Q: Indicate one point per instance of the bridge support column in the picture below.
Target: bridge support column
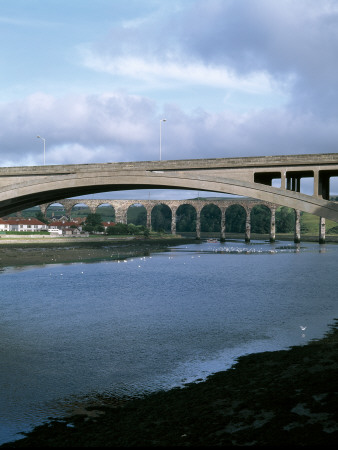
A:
(316, 183)
(121, 215)
(198, 224)
(43, 209)
(68, 211)
(248, 226)
(273, 225)
(297, 227)
(149, 218)
(223, 224)
(173, 220)
(282, 180)
(322, 229)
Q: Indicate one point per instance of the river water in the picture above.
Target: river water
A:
(70, 332)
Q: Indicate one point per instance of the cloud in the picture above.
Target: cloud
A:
(231, 49)
(121, 127)
(255, 46)
(162, 73)
(284, 39)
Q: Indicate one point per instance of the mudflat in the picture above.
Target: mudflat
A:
(276, 399)
(38, 251)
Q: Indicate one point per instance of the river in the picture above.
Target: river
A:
(71, 332)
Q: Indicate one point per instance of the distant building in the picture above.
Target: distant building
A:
(107, 224)
(67, 227)
(20, 224)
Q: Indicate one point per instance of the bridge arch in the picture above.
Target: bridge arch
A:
(142, 214)
(17, 194)
(80, 207)
(161, 217)
(212, 211)
(260, 221)
(186, 217)
(108, 214)
(235, 218)
(61, 209)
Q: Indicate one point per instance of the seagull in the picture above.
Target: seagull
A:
(302, 328)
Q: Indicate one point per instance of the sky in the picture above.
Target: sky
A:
(232, 78)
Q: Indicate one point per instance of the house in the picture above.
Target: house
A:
(20, 224)
(107, 224)
(4, 225)
(67, 227)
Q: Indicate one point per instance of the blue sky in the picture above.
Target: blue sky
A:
(231, 77)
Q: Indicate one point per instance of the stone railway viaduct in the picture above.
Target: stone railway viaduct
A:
(121, 209)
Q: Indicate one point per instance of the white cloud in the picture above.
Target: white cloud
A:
(163, 72)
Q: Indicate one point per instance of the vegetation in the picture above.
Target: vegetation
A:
(124, 229)
(41, 217)
(93, 223)
(27, 232)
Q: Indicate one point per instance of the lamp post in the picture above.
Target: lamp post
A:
(44, 149)
(162, 120)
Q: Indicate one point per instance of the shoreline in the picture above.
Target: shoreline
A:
(269, 398)
(72, 250)
(280, 398)
(24, 251)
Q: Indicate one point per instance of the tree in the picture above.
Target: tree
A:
(93, 223)
(161, 218)
(285, 220)
(260, 219)
(186, 218)
(93, 219)
(41, 217)
(211, 218)
(235, 219)
(123, 228)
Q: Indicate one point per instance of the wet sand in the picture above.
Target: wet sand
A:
(53, 251)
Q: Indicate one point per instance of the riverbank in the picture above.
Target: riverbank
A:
(25, 250)
(280, 399)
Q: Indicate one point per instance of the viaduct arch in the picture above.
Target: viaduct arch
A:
(121, 208)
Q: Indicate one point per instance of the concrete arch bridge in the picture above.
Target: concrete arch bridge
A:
(253, 177)
(121, 209)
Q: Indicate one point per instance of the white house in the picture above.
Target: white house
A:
(19, 224)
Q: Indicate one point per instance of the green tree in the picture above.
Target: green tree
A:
(93, 223)
(118, 229)
(235, 219)
(93, 219)
(260, 219)
(161, 218)
(186, 218)
(137, 215)
(41, 217)
(285, 220)
(211, 218)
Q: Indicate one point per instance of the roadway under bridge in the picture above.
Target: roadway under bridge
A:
(24, 187)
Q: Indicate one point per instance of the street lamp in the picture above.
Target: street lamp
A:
(44, 149)
(162, 120)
